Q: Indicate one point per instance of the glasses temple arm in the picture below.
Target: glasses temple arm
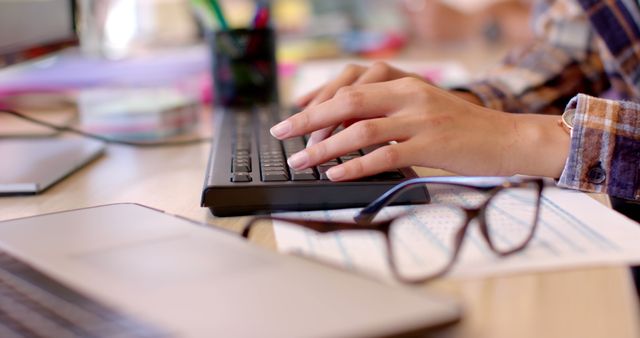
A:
(368, 213)
(319, 226)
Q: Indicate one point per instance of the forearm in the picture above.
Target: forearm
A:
(540, 146)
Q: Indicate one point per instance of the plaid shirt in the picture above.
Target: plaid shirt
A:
(590, 48)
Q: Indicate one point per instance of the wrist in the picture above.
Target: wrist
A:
(542, 146)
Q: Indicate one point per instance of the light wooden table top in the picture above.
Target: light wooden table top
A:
(595, 302)
(586, 302)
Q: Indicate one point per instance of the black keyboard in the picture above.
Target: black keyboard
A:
(248, 171)
(34, 305)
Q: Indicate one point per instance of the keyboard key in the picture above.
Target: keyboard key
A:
(304, 175)
(242, 160)
(33, 305)
(292, 146)
(272, 158)
(271, 153)
(244, 146)
(273, 163)
(322, 170)
(326, 166)
(369, 149)
(274, 169)
(241, 177)
(244, 168)
(241, 153)
(350, 156)
(275, 176)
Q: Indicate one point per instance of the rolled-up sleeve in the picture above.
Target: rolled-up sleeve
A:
(605, 147)
(545, 74)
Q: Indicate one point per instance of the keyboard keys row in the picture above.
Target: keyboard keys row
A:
(273, 164)
(273, 154)
(241, 149)
(241, 166)
(34, 305)
(292, 146)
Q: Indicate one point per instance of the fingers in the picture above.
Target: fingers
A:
(386, 158)
(361, 102)
(348, 76)
(319, 135)
(354, 75)
(377, 72)
(304, 100)
(351, 75)
(381, 71)
(359, 135)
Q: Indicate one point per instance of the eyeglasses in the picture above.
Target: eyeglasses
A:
(506, 210)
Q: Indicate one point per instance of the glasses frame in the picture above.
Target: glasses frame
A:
(364, 220)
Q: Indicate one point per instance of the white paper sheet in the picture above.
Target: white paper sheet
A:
(574, 231)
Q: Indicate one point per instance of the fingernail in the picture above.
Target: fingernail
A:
(281, 129)
(335, 173)
(298, 159)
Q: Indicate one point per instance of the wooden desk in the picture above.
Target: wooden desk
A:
(597, 302)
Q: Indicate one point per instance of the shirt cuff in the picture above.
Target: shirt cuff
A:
(605, 148)
(492, 96)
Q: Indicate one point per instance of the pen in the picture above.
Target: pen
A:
(261, 19)
(203, 13)
(217, 10)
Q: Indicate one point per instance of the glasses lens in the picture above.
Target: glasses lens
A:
(510, 216)
(423, 241)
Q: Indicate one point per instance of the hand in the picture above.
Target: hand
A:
(432, 128)
(351, 75)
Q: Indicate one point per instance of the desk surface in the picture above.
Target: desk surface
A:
(594, 302)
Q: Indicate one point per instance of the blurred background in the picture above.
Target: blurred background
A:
(142, 68)
(308, 29)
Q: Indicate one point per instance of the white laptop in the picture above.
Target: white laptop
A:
(29, 166)
(195, 281)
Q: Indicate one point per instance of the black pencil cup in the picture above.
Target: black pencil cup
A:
(244, 67)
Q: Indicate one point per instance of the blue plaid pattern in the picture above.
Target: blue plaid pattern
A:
(586, 56)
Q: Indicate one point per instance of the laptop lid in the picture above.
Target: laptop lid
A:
(196, 281)
(32, 28)
(30, 166)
